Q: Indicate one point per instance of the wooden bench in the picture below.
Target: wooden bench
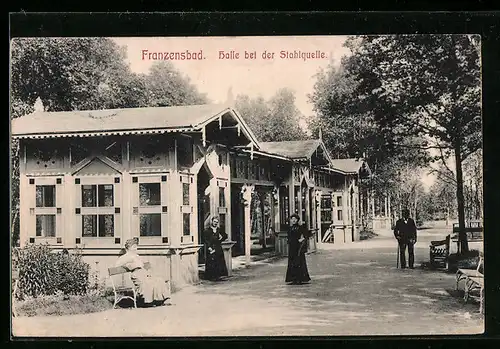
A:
(474, 281)
(120, 289)
(439, 252)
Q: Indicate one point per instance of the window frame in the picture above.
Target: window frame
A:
(138, 210)
(187, 178)
(56, 211)
(99, 210)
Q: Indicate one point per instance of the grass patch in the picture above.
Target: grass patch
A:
(51, 305)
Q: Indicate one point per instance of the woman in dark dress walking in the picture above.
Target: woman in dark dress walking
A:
(298, 235)
(215, 264)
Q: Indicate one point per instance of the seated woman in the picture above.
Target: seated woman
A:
(154, 291)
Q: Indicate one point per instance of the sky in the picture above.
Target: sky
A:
(254, 76)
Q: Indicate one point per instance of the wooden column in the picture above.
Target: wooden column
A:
(291, 193)
(318, 195)
(276, 208)
(247, 191)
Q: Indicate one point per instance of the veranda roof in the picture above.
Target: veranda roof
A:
(352, 165)
(292, 149)
(145, 120)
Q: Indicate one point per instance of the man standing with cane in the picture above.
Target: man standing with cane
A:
(405, 232)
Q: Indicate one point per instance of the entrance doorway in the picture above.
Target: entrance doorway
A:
(203, 191)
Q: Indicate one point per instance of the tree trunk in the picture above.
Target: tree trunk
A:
(462, 236)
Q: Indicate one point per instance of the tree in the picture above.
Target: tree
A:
(426, 86)
(277, 119)
(166, 86)
(350, 130)
(72, 73)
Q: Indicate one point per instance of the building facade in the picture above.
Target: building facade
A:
(90, 180)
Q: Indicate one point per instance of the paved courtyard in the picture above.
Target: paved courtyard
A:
(355, 290)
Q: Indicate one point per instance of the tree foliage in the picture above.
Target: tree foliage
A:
(427, 86)
(277, 119)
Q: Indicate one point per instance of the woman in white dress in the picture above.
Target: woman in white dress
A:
(153, 290)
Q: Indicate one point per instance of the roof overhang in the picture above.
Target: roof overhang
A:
(244, 127)
(330, 169)
(105, 133)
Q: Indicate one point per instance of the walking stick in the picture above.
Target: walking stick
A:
(397, 260)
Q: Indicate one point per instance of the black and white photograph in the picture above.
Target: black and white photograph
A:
(322, 185)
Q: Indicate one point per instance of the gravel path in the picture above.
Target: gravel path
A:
(355, 290)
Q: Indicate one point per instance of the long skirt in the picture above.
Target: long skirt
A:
(215, 264)
(296, 271)
(152, 289)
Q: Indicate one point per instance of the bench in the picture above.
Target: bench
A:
(439, 252)
(474, 281)
(121, 290)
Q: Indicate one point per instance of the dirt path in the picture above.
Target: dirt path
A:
(355, 290)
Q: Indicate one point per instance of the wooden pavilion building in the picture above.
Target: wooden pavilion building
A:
(90, 180)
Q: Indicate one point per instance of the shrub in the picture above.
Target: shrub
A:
(44, 272)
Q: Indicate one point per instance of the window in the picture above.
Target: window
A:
(150, 224)
(185, 194)
(222, 197)
(339, 201)
(97, 206)
(102, 225)
(339, 215)
(45, 196)
(46, 225)
(148, 214)
(222, 220)
(186, 224)
(149, 194)
(97, 195)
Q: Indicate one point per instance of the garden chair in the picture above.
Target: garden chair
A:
(439, 252)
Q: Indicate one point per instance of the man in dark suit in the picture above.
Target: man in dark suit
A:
(405, 232)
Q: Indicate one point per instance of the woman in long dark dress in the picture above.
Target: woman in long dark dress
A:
(298, 235)
(215, 264)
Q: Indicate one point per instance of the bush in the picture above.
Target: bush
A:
(44, 272)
